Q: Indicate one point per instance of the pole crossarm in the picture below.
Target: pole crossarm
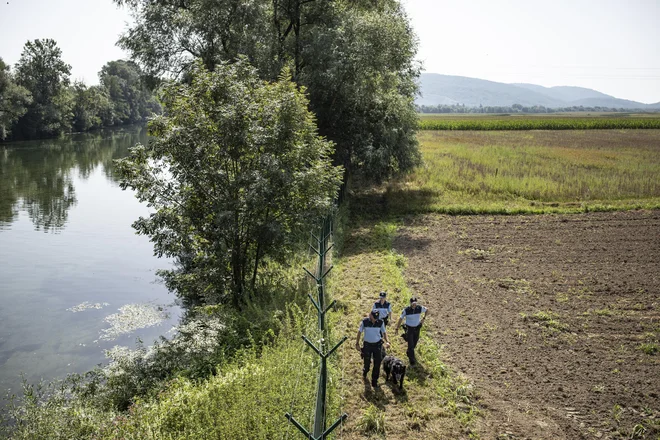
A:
(315, 251)
(332, 350)
(333, 426)
(325, 433)
(329, 307)
(327, 272)
(311, 275)
(318, 350)
(311, 344)
(311, 298)
(299, 426)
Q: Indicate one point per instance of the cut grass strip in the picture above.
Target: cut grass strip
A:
(435, 403)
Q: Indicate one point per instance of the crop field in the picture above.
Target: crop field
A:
(554, 121)
(514, 172)
(555, 319)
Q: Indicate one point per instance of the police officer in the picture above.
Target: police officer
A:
(414, 321)
(374, 334)
(383, 308)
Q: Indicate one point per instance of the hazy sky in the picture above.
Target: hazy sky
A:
(609, 45)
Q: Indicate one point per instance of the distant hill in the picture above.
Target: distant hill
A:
(472, 92)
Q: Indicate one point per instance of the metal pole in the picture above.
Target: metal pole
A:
(319, 432)
(319, 416)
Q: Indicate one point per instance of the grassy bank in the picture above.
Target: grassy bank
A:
(539, 122)
(435, 403)
(201, 385)
(245, 398)
(515, 172)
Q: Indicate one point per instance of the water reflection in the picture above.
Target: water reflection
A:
(36, 177)
(65, 297)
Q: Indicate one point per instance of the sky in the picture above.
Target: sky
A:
(612, 46)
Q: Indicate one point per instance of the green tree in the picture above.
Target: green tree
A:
(131, 100)
(92, 107)
(43, 73)
(355, 58)
(235, 171)
(14, 100)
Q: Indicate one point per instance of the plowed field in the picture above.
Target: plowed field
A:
(555, 319)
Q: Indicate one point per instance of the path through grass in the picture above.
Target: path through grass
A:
(436, 403)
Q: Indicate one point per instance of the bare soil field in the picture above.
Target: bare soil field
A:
(555, 318)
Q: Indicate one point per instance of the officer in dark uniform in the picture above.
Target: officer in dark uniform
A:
(414, 321)
(383, 308)
(374, 333)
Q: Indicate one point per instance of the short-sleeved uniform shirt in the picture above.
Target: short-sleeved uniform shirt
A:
(413, 315)
(383, 309)
(372, 331)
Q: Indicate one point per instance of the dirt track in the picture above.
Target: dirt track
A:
(546, 315)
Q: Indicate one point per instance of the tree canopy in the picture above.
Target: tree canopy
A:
(45, 75)
(354, 57)
(14, 100)
(38, 101)
(235, 172)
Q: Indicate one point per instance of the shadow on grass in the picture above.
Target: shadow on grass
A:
(375, 396)
(373, 218)
(407, 242)
(418, 374)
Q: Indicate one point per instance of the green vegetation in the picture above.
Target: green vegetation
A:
(372, 421)
(436, 402)
(245, 398)
(540, 122)
(37, 100)
(531, 172)
(257, 179)
(650, 348)
(361, 92)
(548, 319)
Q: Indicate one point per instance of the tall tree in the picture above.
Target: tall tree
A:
(43, 73)
(355, 58)
(14, 100)
(124, 83)
(235, 171)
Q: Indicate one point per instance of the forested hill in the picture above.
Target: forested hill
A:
(439, 89)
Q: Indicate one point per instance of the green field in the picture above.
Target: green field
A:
(507, 172)
(553, 121)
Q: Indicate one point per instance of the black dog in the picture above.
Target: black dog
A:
(396, 368)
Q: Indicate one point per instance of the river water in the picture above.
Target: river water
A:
(75, 279)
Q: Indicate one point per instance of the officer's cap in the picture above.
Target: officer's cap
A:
(383, 294)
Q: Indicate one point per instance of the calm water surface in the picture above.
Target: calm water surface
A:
(69, 259)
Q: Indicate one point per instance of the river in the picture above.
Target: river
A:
(75, 279)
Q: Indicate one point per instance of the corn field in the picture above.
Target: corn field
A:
(507, 122)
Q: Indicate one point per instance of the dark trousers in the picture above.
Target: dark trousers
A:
(375, 350)
(412, 337)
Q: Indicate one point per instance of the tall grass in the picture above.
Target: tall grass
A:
(515, 172)
(507, 122)
(245, 398)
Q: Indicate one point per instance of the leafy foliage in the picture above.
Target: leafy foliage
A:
(123, 81)
(355, 59)
(43, 73)
(14, 100)
(235, 171)
(37, 101)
